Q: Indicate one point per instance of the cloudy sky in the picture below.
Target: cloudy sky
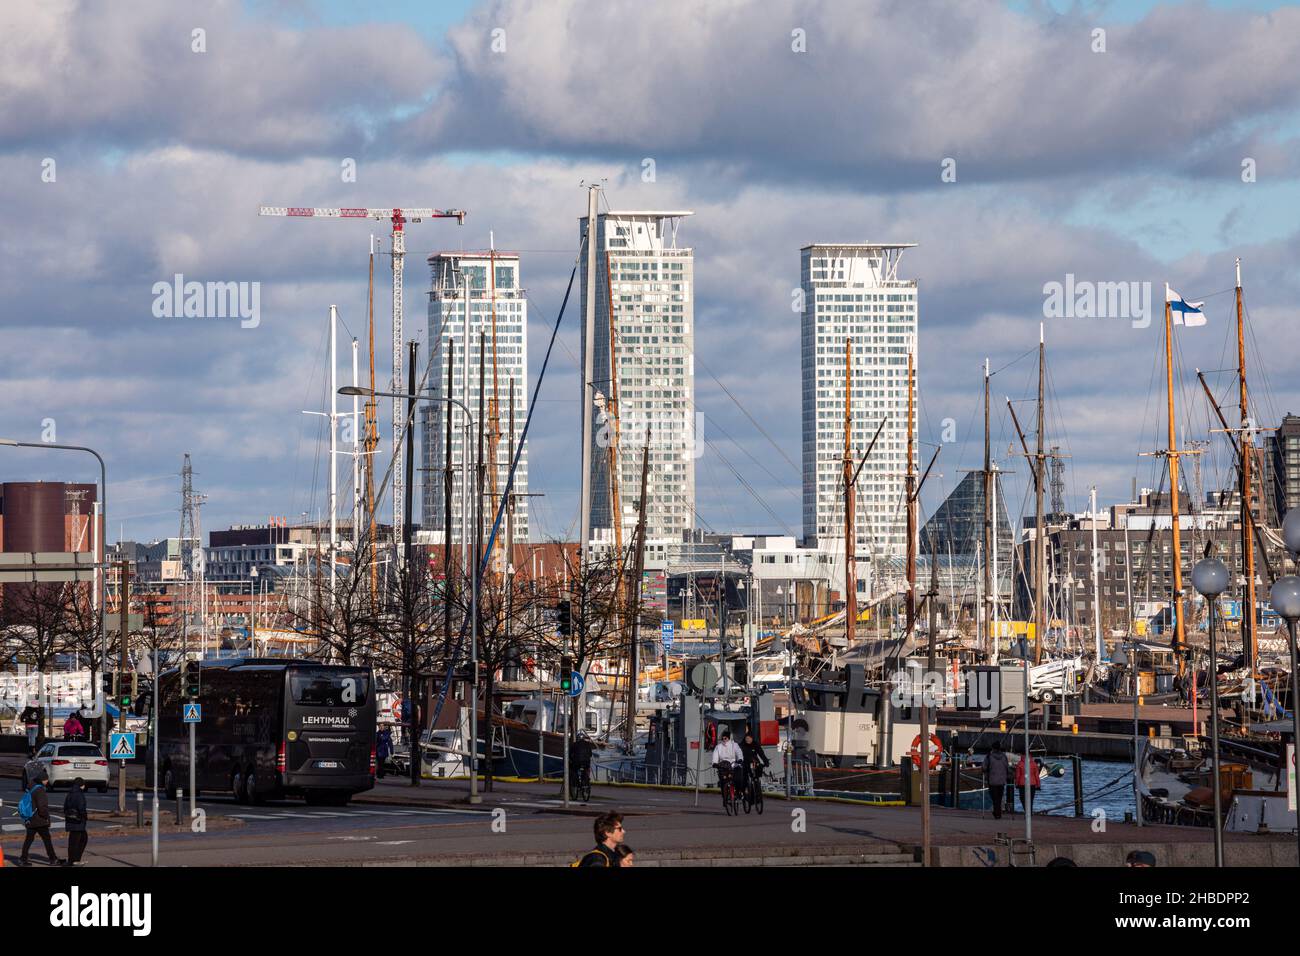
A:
(1115, 142)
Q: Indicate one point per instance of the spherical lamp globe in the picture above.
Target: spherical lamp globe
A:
(1210, 577)
(1285, 596)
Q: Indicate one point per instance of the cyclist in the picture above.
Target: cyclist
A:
(580, 757)
(754, 760)
(727, 752)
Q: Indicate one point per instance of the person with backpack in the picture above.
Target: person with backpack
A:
(34, 808)
(74, 813)
(608, 828)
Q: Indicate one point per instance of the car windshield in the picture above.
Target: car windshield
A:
(79, 750)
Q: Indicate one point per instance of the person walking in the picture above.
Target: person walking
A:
(626, 855)
(608, 828)
(31, 718)
(1035, 780)
(72, 728)
(38, 820)
(383, 749)
(74, 814)
(996, 773)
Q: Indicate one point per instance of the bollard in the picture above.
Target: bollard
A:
(1077, 763)
(139, 808)
(180, 800)
(1151, 732)
(1074, 729)
(1002, 726)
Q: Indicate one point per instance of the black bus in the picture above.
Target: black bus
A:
(270, 728)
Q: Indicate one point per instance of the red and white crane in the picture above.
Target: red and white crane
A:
(398, 218)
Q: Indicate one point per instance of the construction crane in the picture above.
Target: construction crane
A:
(398, 217)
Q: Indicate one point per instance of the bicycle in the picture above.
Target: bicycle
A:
(752, 797)
(728, 787)
(580, 786)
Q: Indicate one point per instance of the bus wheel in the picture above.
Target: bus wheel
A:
(237, 787)
(250, 787)
(169, 783)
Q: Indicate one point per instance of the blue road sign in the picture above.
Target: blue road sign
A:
(121, 746)
(575, 687)
(666, 633)
(192, 713)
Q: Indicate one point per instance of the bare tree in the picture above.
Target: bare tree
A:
(36, 625)
(343, 617)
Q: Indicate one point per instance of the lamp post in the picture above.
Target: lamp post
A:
(474, 580)
(1285, 598)
(1210, 578)
(252, 610)
(103, 545)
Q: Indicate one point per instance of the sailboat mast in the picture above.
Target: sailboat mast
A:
(850, 571)
(1040, 543)
(1247, 515)
(987, 637)
(1173, 490)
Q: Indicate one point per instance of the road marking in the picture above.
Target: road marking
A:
(252, 816)
(352, 838)
(393, 842)
(18, 827)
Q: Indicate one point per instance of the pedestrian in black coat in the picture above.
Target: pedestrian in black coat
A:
(74, 813)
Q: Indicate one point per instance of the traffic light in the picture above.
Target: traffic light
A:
(566, 673)
(110, 685)
(190, 679)
(564, 618)
(126, 692)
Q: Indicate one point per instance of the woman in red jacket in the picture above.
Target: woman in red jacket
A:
(1035, 781)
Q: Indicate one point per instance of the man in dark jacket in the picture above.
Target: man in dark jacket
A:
(996, 773)
(39, 824)
(608, 828)
(753, 759)
(383, 749)
(74, 812)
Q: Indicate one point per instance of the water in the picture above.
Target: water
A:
(1100, 789)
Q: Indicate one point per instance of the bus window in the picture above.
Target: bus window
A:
(321, 688)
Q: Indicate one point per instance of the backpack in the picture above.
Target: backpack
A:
(604, 859)
(27, 806)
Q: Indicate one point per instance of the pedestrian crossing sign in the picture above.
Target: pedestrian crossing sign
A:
(192, 713)
(121, 746)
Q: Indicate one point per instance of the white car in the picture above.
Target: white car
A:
(64, 761)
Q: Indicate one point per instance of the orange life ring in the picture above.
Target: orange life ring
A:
(936, 751)
(710, 736)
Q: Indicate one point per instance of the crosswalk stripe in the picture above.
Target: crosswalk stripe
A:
(253, 816)
(15, 827)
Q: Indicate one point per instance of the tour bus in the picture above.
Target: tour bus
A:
(271, 727)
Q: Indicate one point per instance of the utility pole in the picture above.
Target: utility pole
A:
(587, 401)
(636, 597)
(412, 682)
(124, 598)
(911, 499)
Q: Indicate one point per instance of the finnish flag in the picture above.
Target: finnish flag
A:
(1183, 312)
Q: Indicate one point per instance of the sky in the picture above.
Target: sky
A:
(1017, 144)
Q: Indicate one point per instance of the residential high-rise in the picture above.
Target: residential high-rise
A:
(497, 310)
(852, 291)
(654, 337)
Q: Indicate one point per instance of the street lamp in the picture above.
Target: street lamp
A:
(1210, 578)
(474, 580)
(252, 610)
(103, 547)
(1285, 598)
